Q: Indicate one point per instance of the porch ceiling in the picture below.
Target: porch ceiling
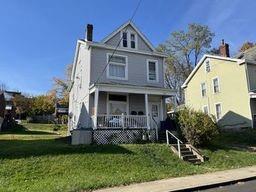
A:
(122, 88)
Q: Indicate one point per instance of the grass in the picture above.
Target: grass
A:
(36, 158)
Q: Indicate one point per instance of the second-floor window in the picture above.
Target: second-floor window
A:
(152, 70)
(203, 89)
(216, 86)
(117, 67)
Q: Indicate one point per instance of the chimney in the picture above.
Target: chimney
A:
(89, 32)
(224, 49)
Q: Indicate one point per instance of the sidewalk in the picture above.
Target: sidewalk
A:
(188, 182)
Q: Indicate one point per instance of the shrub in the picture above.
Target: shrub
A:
(197, 127)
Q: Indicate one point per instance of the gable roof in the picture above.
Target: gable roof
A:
(136, 30)
(240, 61)
(249, 54)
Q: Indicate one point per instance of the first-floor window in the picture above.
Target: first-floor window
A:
(205, 109)
(218, 111)
(152, 71)
(117, 104)
(117, 68)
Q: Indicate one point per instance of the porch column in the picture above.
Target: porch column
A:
(162, 108)
(147, 112)
(96, 100)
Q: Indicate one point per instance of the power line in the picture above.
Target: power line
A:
(130, 20)
(120, 40)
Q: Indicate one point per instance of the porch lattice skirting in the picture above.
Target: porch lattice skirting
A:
(119, 136)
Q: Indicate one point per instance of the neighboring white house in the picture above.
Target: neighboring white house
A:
(127, 94)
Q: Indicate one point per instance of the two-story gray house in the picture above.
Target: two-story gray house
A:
(118, 86)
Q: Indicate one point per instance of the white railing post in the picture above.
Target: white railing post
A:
(96, 101)
(122, 119)
(167, 137)
(179, 148)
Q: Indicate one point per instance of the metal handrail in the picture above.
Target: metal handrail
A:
(178, 141)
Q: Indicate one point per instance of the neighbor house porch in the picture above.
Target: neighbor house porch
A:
(127, 107)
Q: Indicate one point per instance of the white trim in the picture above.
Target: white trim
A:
(127, 101)
(157, 71)
(122, 88)
(215, 104)
(136, 30)
(218, 80)
(147, 111)
(154, 53)
(96, 102)
(121, 64)
(202, 61)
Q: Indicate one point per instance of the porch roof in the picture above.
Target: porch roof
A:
(125, 88)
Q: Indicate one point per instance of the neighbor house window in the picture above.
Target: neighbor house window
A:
(133, 41)
(207, 66)
(218, 111)
(125, 41)
(203, 89)
(117, 68)
(205, 109)
(216, 86)
(152, 70)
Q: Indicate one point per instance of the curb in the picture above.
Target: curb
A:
(210, 186)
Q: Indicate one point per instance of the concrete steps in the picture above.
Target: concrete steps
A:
(187, 153)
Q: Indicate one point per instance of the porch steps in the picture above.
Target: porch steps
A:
(187, 153)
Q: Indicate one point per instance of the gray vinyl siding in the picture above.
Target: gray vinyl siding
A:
(102, 105)
(136, 103)
(137, 68)
(142, 46)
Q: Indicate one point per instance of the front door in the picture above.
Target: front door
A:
(154, 114)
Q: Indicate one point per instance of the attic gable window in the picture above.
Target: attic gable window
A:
(129, 39)
(133, 41)
(125, 42)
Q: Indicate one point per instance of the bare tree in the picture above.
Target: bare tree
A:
(184, 49)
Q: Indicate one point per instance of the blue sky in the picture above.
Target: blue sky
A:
(37, 38)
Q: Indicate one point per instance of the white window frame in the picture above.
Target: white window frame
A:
(207, 109)
(157, 72)
(129, 32)
(201, 88)
(120, 64)
(218, 80)
(207, 61)
(123, 94)
(216, 111)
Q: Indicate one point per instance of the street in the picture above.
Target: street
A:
(248, 186)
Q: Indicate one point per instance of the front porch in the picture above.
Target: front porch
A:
(127, 112)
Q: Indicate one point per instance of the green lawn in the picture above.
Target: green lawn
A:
(39, 159)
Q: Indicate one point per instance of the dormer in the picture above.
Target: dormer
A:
(128, 36)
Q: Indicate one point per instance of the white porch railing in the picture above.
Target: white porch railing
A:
(121, 121)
